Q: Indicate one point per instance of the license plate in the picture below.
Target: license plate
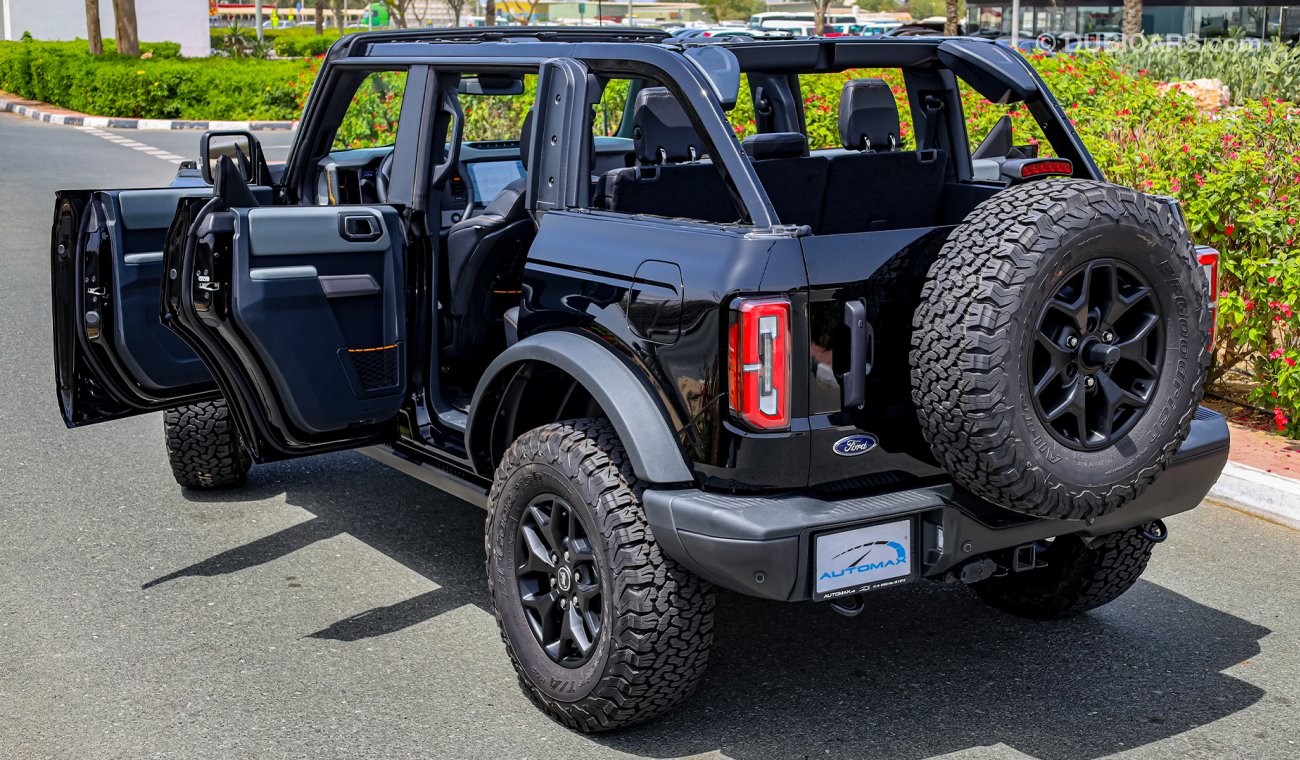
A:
(859, 559)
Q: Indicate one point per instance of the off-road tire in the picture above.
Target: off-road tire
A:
(1077, 577)
(657, 617)
(203, 446)
(975, 327)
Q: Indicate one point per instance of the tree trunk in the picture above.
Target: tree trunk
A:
(127, 32)
(490, 13)
(93, 31)
(341, 15)
(819, 17)
(320, 17)
(1132, 19)
(950, 25)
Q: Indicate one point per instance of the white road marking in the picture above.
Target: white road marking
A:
(127, 142)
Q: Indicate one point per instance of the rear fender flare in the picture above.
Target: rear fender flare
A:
(636, 415)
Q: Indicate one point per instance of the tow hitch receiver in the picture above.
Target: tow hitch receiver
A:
(1023, 558)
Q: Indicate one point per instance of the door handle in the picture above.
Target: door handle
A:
(360, 228)
(854, 382)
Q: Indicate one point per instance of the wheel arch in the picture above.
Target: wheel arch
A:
(584, 378)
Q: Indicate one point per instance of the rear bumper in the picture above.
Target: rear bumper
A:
(761, 545)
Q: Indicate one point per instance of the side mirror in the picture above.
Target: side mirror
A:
(242, 148)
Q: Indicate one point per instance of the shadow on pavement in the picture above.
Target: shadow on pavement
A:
(926, 670)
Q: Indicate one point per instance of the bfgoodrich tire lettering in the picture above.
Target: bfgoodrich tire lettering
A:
(975, 333)
(203, 446)
(656, 619)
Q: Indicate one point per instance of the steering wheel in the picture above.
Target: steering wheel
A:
(382, 176)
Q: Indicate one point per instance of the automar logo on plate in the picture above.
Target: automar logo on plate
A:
(853, 445)
(864, 559)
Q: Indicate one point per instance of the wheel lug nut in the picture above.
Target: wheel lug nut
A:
(564, 603)
(1072, 341)
(1108, 336)
(555, 558)
(1089, 381)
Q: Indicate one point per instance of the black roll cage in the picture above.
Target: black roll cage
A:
(600, 54)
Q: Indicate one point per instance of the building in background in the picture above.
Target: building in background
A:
(183, 21)
(1165, 17)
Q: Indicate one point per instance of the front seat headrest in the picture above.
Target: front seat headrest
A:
(526, 139)
(775, 145)
(868, 116)
(661, 130)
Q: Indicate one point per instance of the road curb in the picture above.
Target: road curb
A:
(1259, 493)
(22, 108)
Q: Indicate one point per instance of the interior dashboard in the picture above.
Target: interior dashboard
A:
(485, 168)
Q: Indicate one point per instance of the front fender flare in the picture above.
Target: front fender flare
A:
(637, 417)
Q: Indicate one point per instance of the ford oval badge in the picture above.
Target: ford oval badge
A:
(853, 445)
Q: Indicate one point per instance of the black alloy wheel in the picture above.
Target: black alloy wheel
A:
(1097, 355)
(559, 580)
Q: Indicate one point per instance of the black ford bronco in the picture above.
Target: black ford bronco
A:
(663, 358)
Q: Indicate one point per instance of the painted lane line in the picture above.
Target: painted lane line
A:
(126, 142)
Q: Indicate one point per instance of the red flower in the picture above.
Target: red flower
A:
(1289, 361)
(1272, 280)
(1229, 230)
(1279, 417)
(1277, 354)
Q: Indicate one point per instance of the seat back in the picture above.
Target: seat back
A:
(669, 179)
(793, 179)
(485, 254)
(873, 185)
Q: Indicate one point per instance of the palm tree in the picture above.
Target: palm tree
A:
(1132, 19)
(93, 31)
(950, 24)
(320, 17)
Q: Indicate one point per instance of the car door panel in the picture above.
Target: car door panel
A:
(113, 356)
(305, 323)
(137, 222)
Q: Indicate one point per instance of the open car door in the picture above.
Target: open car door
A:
(113, 356)
(300, 313)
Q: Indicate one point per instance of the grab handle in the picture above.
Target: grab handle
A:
(854, 382)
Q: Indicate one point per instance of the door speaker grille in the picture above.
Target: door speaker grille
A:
(376, 367)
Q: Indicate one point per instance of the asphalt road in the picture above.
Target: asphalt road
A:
(335, 608)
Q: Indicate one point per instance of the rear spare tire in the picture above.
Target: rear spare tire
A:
(1059, 350)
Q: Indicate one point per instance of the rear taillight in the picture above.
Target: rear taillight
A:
(1208, 258)
(759, 361)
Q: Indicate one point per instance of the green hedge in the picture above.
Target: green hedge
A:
(159, 87)
(294, 42)
(303, 46)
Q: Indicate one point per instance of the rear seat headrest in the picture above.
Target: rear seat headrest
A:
(868, 116)
(661, 130)
(775, 145)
